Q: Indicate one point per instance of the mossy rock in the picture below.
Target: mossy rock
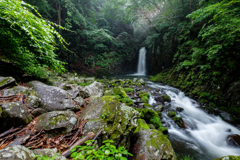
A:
(129, 90)
(177, 120)
(144, 94)
(120, 91)
(172, 113)
(151, 126)
(147, 105)
(144, 99)
(229, 158)
(151, 116)
(153, 144)
(142, 125)
(166, 98)
(164, 130)
(128, 101)
(109, 92)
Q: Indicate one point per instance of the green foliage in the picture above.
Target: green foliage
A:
(27, 40)
(45, 157)
(105, 152)
(85, 84)
(129, 90)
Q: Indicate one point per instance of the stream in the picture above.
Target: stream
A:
(205, 138)
(206, 135)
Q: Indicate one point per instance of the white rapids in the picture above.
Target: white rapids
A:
(206, 135)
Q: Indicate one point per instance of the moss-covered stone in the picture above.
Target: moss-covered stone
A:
(229, 158)
(177, 120)
(144, 94)
(153, 144)
(151, 126)
(166, 98)
(147, 105)
(172, 113)
(120, 91)
(144, 99)
(129, 90)
(142, 125)
(128, 101)
(151, 116)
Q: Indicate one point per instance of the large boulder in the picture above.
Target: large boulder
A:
(57, 122)
(15, 90)
(153, 144)
(52, 98)
(19, 152)
(5, 81)
(95, 89)
(16, 153)
(117, 120)
(13, 114)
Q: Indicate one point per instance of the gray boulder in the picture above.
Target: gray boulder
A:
(38, 111)
(153, 144)
(95, 89)
(141, 81)
(13, 114)
(50, 153)
(15, 90)
(73, 93)
(16, 153)
(52, 98)
(57, 122)
(90, 79)
(80, 101)
(4, 81)
(33, 99)
(19, 152)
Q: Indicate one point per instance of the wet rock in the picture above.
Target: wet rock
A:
(159, 108)
(226, 117)
(52, 98)
(177, 120)
(141, 81)
(159, 99)
(234, 139)
(50, 153)
(57, 122)
(167, 104)
(13, 114)
(171, 113)
(135, 80)
(119, 120)
(95, 89)
(6, 81)
(73, 93)
(229, 158)
(15, 90)
(153, 144)
(166, 98)
(150, 116)
(179, 109)
(17, 152)
(120, 91)
(80, 101)
(38, 111)
(164, 130)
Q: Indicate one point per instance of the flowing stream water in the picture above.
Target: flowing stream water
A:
(206, 135)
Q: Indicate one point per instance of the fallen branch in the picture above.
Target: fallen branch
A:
(89, 136)
(10, 131)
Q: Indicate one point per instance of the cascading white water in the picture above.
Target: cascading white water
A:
(142, 62)
(206, 135)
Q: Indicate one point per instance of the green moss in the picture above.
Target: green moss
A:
(142, 125)
(151, 126)
(147, 105)
(156, 121)
(159, 113)
(4, 81)
(164, 130)
(128, 101)
(166, 98)
(1, 111)
(120, 91)
(119, 97)
(177, 120)
(56, 119)
(171, 113)
(229, 158)
(144, 94)
(144, 99)
(129, 90)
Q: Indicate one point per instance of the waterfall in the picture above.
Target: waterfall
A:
(142, 62)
